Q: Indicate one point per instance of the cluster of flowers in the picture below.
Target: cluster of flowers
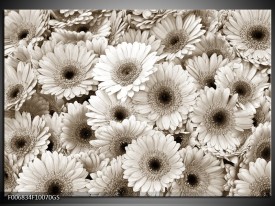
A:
(138, 102)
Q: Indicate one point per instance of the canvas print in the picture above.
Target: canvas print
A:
(137, 102)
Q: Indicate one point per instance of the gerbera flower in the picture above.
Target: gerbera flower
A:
(245, 80)
(11, 170)
(146, 19)
(254, 181)
(214, 43)
(152, 162)
(92, 161)
(62, 18)
(259, 144)
(125, 68)
(204, 68)
(167, 98)
(76, 133)
(114, 138)
(66, 72)
(98, 45)
(118, 25)
(263, 113)
(36, 106)
(219, 121)
(145, 37)
(104, 108)
(54, 123)
(203, 175)
(54, 174)
(23, 28)
(19, 84)
(178, 35)
(110, 182)
(25, 137)
(249, 31)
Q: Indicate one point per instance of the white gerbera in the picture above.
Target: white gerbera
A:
(168, 97)
(92, 161)
(110, 182)
(54, 174)
(259, 144)
(245, 80)
(204, 68)
(19, 85)
(214, 43)
(66, 72)
(114, 138)
(219, 121)
(104, 108)
(125, 69)
(254, 181)
(249, 31)
(178, 35)
(76, 133)
(152, 162)
(23, 28)
(203, 175)
(25, 137)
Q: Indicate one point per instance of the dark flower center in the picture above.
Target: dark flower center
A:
(85, 133)
(243, 89)
(15, 91)
(20, 143)
(6, 175)
(69, 73)
(23, 34)
(174, 40)
(192, 180)
(122, 191)
(120, 114)
(265, 193)
(219, 118)
(258, 34)
(154, 164)
(165, 96)
(263, 151)
(55, 188)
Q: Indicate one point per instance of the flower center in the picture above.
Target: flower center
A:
(127, 72)
(84, 133)
(122, 191)
(192, 180)
(256, 36)
(154, 164)
(71, 74)
(261, 187)
(118, 187)
(20, 143)
(243, 89)
(164, 97)
(218, 120)
(23, 34)
(14, 92)
(119, 113)
(263, 151)
(55, 187)
(259, 117)
(175, 41)
(266, 193)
